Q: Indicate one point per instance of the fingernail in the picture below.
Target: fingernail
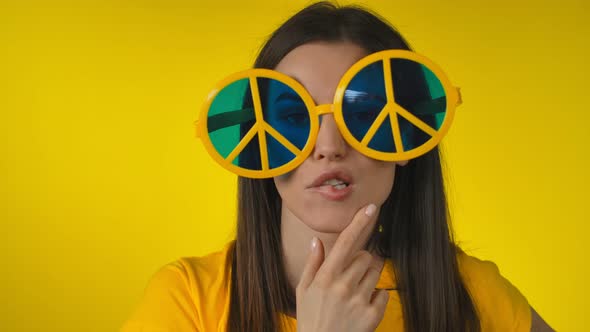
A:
(370, 210)
(314, 244)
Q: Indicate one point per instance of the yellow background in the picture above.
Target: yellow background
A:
(102, 180)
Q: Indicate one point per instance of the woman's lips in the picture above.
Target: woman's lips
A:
(339, 174)
(330, 193)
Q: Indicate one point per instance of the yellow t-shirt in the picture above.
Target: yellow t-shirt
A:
(192, 294)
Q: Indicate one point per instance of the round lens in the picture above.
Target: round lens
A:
(417, 110)
(244, 110)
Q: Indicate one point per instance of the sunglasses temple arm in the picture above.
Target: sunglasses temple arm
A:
(459, 100)
(435, 106)
(228, 119)
(430, 107)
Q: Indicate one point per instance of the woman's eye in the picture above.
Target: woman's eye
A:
(365, 112)
(296, 118)
(292, 113)
(366, 116)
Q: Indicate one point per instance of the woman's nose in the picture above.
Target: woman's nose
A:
(330, 144)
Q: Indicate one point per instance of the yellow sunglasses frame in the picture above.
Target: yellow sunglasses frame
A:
(453, 99)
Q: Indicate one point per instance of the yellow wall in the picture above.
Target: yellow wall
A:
(102, 180)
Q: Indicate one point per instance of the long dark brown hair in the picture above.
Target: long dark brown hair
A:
(417, 234)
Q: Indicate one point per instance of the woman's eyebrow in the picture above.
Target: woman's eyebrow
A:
(353, 95)
(287, 95)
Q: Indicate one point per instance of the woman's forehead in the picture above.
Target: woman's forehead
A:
(318, 66)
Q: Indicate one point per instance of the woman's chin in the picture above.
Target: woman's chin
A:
(328, 222)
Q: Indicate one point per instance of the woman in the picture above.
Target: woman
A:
(381, 255)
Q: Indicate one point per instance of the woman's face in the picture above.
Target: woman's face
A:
(329, 207)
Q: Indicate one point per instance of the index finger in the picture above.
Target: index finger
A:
(351, 239)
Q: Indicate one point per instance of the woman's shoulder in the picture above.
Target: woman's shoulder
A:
(500, 305)
(209, 268)
(188, 294)
(198, 275)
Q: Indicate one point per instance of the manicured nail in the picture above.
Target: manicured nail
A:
(314, 244)
(370, 210)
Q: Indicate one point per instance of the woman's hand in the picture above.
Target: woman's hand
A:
(338, 293)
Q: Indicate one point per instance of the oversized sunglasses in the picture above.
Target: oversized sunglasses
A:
(391, 105)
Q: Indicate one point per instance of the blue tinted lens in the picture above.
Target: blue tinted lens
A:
(415, 88)
(420, 92)
(363, 100)
(231, 116)
(285, 111)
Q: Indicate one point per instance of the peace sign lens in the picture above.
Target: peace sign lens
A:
(259, 124)
(391, 105)
(393, 113)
